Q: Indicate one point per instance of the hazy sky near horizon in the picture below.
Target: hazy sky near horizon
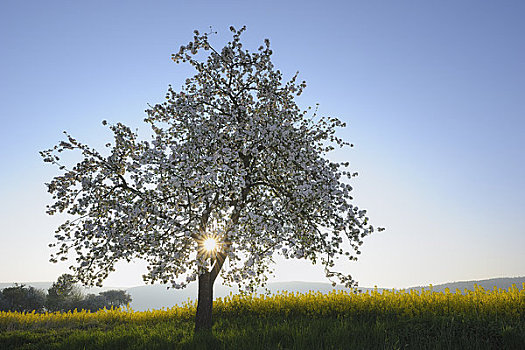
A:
(433, 94)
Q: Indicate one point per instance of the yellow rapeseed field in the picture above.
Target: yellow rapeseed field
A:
(479, 304)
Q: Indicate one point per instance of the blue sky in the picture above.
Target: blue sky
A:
(432, 93)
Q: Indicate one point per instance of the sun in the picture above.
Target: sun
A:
(210, 244)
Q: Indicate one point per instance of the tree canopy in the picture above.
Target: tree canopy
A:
(233, 159)
(64, 294)
(22, 298)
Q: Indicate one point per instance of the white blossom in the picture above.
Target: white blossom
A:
(233, 156)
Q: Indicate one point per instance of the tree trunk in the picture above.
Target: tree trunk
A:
(203, 319)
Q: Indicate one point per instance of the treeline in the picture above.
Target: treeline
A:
(64, 295)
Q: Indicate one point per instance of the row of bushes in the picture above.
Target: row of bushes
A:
(64, 295)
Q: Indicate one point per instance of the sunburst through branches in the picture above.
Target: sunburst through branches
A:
(210, 246)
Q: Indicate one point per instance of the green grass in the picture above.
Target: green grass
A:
(279, 332)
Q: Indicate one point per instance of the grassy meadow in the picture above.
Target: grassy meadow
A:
(480, 319)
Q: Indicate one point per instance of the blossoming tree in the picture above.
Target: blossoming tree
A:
(235, 174)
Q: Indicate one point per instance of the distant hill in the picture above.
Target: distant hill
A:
(503, 283)
(158, 296)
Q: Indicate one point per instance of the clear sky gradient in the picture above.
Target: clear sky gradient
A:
(432, 91)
